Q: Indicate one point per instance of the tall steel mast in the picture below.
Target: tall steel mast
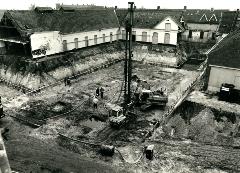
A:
(128, 57)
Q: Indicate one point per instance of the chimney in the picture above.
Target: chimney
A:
(212, 9)
(185, 7)
(115, 7)
(58, 6)
(158, 7)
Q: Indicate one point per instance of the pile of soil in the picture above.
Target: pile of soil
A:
(204, 126)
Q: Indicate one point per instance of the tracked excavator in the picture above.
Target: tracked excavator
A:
(147, 98)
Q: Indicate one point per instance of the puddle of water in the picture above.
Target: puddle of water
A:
(93, 124)
(58, 108)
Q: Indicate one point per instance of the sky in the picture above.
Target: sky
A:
(207, 4)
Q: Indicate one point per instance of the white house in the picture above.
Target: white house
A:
(155, 26)
(201, 24)
(43, 31)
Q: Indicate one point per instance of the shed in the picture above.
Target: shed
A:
(224, 63)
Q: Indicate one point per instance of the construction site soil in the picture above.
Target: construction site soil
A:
(71, 131)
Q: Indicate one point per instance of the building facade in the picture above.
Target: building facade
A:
(153, 26)
(224, 63)
(165, 32)
(222, 74)
(41, 33)
(53, 42)
(201, 25)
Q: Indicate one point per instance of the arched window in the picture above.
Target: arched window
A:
(155, 38)
(64, 45)
(111, 37)
(76, 43)
(86, 41)
(167, 38)
(95, 39)
(144, 36)
(118, 34)
(123, 34)
(103, 38)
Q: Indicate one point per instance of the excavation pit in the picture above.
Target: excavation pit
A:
(93, 123)
(59, 107)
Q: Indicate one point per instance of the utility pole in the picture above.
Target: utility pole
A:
(128, 57)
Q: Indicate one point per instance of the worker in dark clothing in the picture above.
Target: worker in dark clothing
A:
(97, 91)
(101, 92)
(68, 81)
(1, 111)
(1, 108)
(65, 81)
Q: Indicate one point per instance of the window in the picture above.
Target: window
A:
(111, 37)
(167, 38)
(86, 41)
(133, 35)
(76, 43)
(123, 34)
(95, 39)
(155, 38)
(167, 26)
(144, 36)
(190, 34)
(213, 36)
(103, 38)
(201, 34)
(118, 33)
(64, 45)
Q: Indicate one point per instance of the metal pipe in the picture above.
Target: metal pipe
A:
(125, 72)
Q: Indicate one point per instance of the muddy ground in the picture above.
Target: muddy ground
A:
(41, 149)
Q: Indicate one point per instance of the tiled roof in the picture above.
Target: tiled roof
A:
(148, 18)
(43, 8)
(227, 53)
(203, 16)
(65, 22)
(79, 7)
(228, 21)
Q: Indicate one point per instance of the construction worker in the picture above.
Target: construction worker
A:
(101, 92)
(68, 81)
(95, 102)
(65, 81)
(1, 108)
(97, 91)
